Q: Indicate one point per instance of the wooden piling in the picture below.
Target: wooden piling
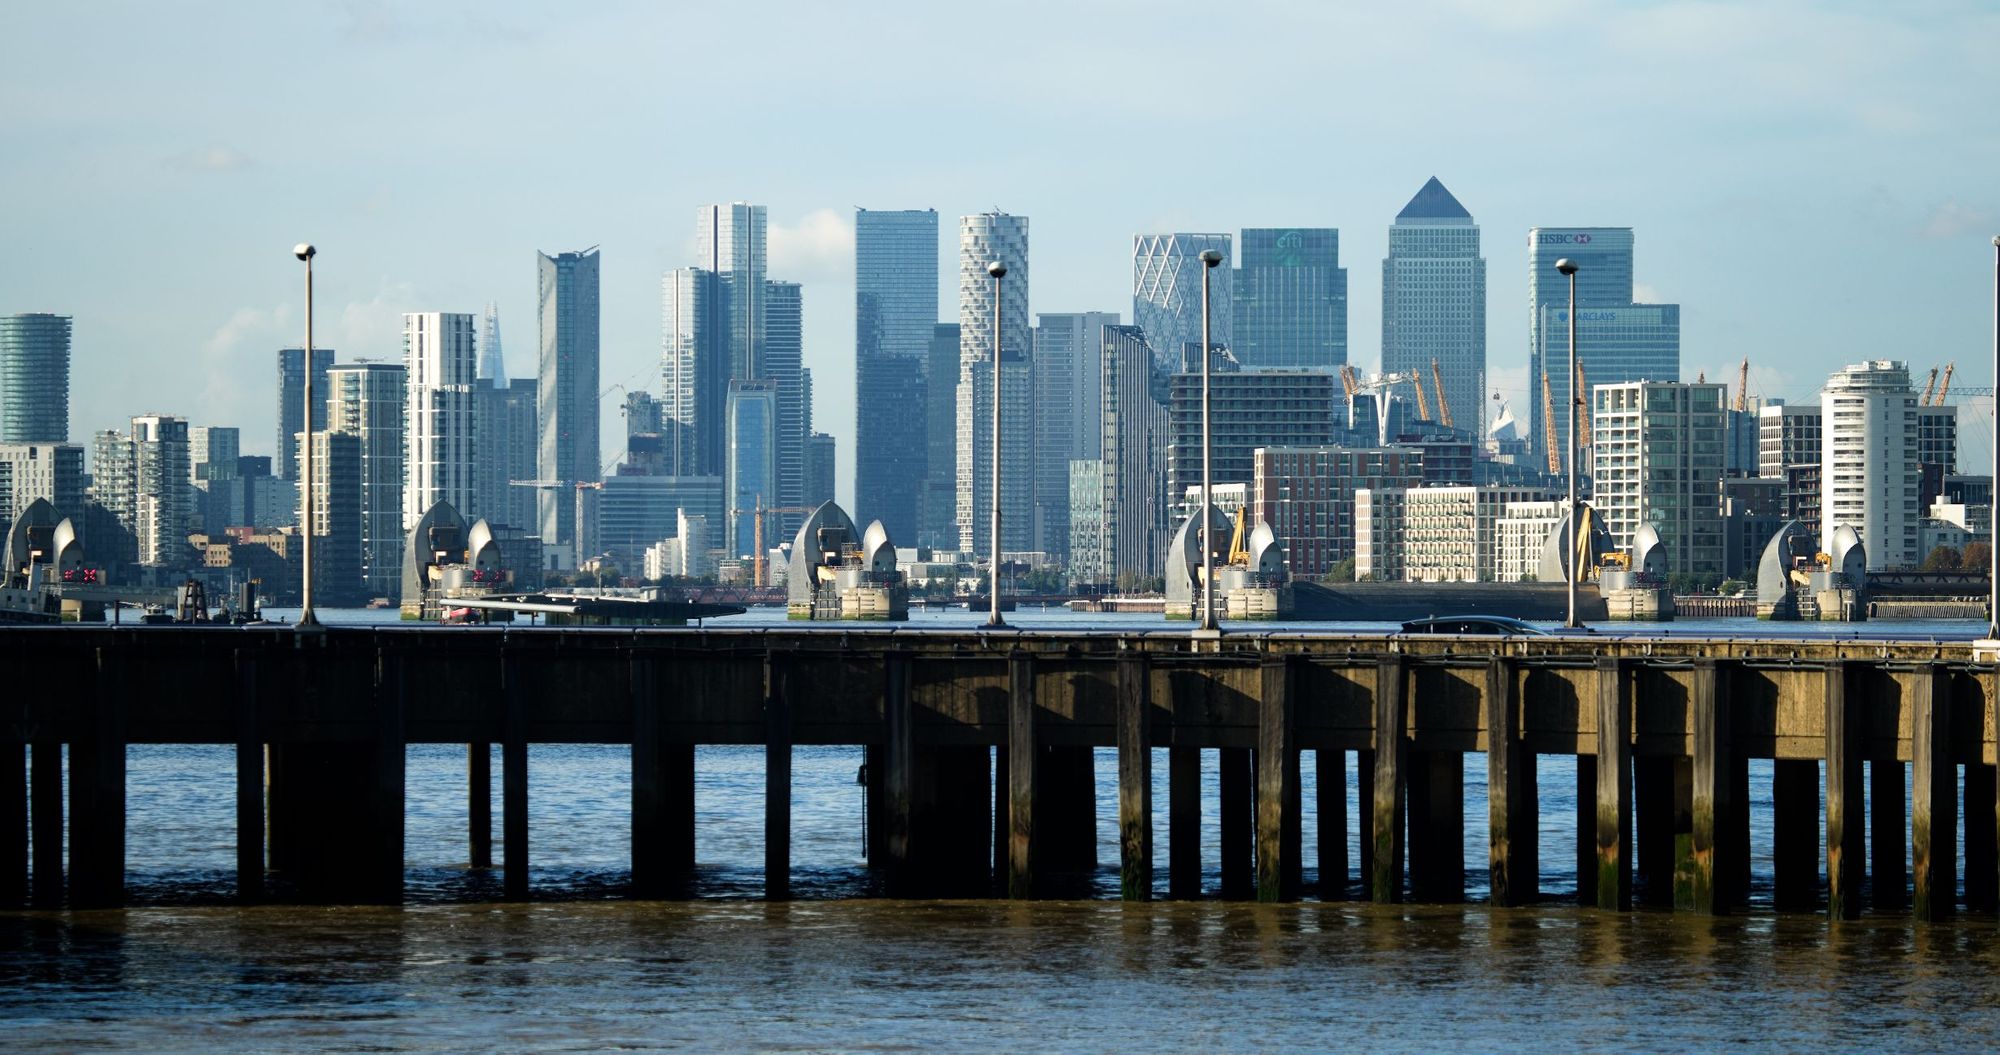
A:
(1434, 803)
(479, 799)
(13, 823)
(1236, 829)
(1330, 806)
(1845, 836)
(46, 819)
(514, 782)
(1364, 813)
(898, 769)
(97, 793)
(1135, 778)
(1184, 822)
(1711, 807)
(1888, 842)
(1066, 831)
(777, 779)
(384, 883)
(1979, 836)
(1795, 835)
(1586, 829)
(1934, 799)
(1614, 785)
(1386, 810)
(1512, 834)
(1022, 756)
(650, 865)
(1653, 834)
(1279, 826)
(249, 782)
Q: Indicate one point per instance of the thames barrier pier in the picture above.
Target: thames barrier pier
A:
(1662, 730)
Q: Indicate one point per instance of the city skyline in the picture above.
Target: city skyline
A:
(1865, 128)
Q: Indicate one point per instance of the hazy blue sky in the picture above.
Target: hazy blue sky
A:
(1813, 182)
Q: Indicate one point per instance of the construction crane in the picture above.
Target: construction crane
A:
(1348, 381)
(1581, 397)
(757, 577)
(1549, 426)
(1423, 405)
(1930, 388)
(1444, 409)
(1944, 387)
(1743, 385)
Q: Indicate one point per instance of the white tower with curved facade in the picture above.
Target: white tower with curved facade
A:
(982, 239)
(1869, 474)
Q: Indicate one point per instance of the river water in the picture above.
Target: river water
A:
(581, 968)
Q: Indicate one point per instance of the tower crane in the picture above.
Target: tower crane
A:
(1582, 398)
(1743, 385)
(1444, 409)
(1348, 381)
(757, 571)
(1423, 405)
(1944, 387)
(1930, 388)
(1549, 427)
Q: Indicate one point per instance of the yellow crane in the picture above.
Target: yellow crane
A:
(1582, 399)
(1549, 426)
(1423, 405)
(1930, 388)
(1743, 385)
(1945, 385)
(1444, 409)
(1348, 381)
(757, 570)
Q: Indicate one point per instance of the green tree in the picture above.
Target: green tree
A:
(1342, 572)
(1944, 558)
(1978, 556)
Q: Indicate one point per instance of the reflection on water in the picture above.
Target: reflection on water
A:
(586, 975)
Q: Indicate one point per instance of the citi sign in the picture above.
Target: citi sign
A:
(1564, 239)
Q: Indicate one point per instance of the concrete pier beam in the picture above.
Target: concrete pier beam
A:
(97, 794)
(1279, 824)
(13, 823)
(1513, 843)
(1653, 834)
(662, 791)
(1023, 758)
(479, 804)
(1712, 805)
(1135, 778)
(1979, 836)
(1385, 881)
(45, 793)
(249, 782)
(1934, 798)
(1236, 830)
(1434, 803)
(1614, 784)
(1845, 838)
(1066, 788)
(514, 782)
(1586, 829)
(1330, 821)
(1184, 823)
(384, 883)
(898, 761)
(778, 700)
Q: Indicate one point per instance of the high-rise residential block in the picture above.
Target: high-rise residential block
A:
(694, 370)
(336, 519)
(1166, 293)
(1870, 475)
(1658, 459)
(1134, 475)
(984, 239)
(441, 361)
(34, 378)
(292, 403)
(49, 471)
(1248, 409)
(1307, 495)
(566, 401)
(213, 452)
(503, 470)
(1789, 449)
(1068, 379)
(751, 480)
(163, 510)
(784, 367)
(895, 317)
(821, 463)
(1434, 301)
(1617, 340)
(1289, 299)
(371, 402)
(937, 525)
(730, 245)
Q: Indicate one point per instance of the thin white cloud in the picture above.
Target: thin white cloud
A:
(818, 248)
(212, 159)
(1955, 219)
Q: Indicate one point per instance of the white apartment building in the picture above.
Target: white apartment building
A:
(1433, 534)
(1869, 462)
(442, 363)
(1520, 533)
(1658, 458)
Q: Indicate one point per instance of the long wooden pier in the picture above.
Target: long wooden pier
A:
(1662, 730)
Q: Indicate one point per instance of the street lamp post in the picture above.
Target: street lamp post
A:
(1209, 259)
(1578, 545)
(307, 620)
(1993, 597)
(999, 271)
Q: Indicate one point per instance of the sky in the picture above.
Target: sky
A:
(1813, 182)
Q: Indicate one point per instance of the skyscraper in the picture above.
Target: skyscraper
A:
(163, 493)
(34, 378)
(336, 519)
(694, 370)
(1289, 301)
(371, 401)
(566, 402)
(784, 367)
(983, 239)
(1617, 340)
(1134, 471)
(292, 402)
(820, 464)
(1068, 383)
(731, 245)
(1434, 301)
(213, 451)
(938, 511)
(492, 361)
(503, 431)
(895, 315)
(1166, 293)
(752, 476)
(1659, 461)
(442, 364)
(1869, 450)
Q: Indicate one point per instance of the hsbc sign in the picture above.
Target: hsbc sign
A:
(1578, 238)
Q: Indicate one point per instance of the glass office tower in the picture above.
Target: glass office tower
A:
(895, 317)
(1289, 299)
(1434, 301)
(566, 402)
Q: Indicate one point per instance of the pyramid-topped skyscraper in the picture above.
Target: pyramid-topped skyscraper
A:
(1434, 301)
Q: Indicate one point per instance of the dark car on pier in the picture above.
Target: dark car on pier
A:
(1501, 625)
